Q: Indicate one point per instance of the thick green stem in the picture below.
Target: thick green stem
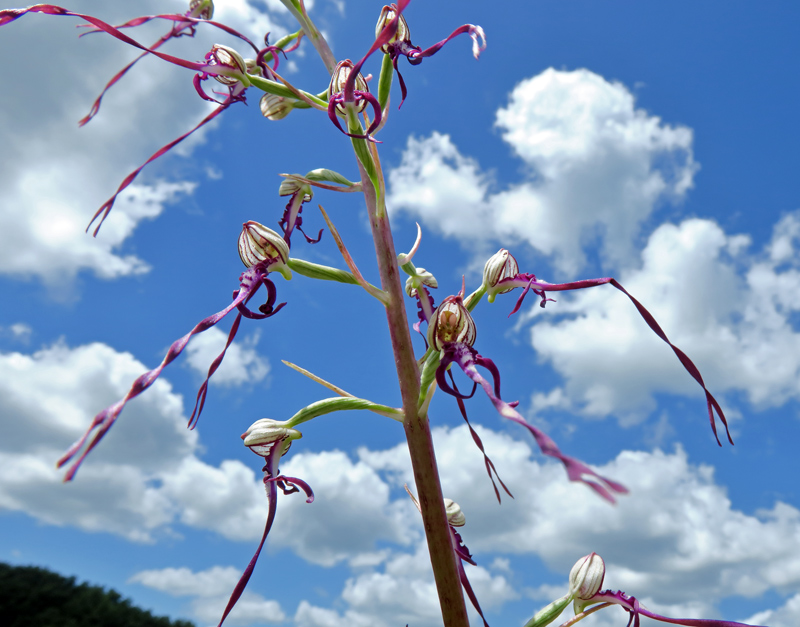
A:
(418, 434)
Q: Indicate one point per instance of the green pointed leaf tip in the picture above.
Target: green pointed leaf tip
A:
(331, 405)
(548, 614)
(428, 375)
(385, 81)
(323, 273)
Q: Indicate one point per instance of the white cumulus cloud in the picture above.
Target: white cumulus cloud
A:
(597, 167)
(55, 175)
(729, 310)
(210, 590)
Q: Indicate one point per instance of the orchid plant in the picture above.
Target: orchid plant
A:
(360, 109)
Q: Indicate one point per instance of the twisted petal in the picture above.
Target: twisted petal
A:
(102, 422)
(632, 605)
(529, 282)
(467, 359)
(463, 555)
(490, 469)
(271, 482)
(182, 25)
(102, 212)
(475, 32)
(338, 99)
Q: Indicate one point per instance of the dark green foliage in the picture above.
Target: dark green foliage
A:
(36, 597)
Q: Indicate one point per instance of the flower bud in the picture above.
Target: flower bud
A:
(263, 434)
(423, 277)
(454, 514)
(258, 243)
(203, 9)
(276, 107)
(290, 186)
(451, 322)
(227, 57)
(585, 579)
(501, 265)
(338, 80)
(387, 15)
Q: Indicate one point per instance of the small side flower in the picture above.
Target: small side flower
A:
(269, 439)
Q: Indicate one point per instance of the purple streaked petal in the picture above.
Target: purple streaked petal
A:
(9, 15)
(294, 481)
(188, 22)
(475, 32)
(465, 356)
(272, 497)
(104, 420)
(386, 34)
(200, 401)
(103, 211)
(185, 20)
(632, 605)
(463, 555)
(540, 287)
(490, 469)
(340, 99)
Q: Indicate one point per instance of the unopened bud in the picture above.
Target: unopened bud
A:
(263, 435)
(423, 277)
(585, 579)
(387, 15)
(338, 80)
(451, 322)
(454, 514)
(501, 265)
(203, 9)
(257, 243)
(276, 107)
(290, 186)
(224, 56)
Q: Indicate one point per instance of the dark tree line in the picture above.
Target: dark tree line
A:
(36, 597)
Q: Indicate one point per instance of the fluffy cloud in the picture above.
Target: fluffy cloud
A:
(677, 538)
(403, 591)
(788, 615)
(59, 174)
(597, 168)
(141, 479)
(211, 589)
(729, 310)
(242, 362)
(352, 510)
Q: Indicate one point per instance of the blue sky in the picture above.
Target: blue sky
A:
(654, 142)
